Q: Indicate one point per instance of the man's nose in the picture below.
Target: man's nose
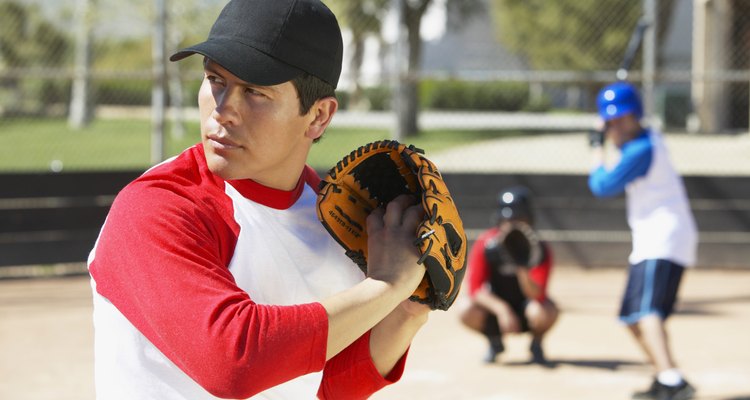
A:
(227, 106)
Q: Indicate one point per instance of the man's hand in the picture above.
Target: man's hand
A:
(596, 138)
(597, 157)
(392, 254)
(507, 320)
(370, 178)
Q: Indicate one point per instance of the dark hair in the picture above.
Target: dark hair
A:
(311, 89)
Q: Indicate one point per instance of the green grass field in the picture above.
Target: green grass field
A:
(28, 145)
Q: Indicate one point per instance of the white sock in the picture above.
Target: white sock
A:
(670, 377)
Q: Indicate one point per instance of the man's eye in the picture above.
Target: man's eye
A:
(253, 92)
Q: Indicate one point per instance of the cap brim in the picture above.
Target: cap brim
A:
(245, 62)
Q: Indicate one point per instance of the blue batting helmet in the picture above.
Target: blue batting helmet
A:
(619, 99)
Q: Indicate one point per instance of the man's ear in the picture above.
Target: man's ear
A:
(322, 111)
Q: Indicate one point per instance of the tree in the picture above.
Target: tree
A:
(406, 101)
(28, 41)
(364, 19)
(572, 34)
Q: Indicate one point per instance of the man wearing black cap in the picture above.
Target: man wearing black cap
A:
(509, 298)
(212, 276)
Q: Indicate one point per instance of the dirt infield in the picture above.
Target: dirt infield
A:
(47, 350)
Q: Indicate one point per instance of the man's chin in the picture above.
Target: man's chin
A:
(219, 166)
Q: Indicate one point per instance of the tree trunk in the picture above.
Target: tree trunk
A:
(408, 93)
(355, 65)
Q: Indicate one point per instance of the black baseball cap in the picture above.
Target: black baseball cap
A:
(268, 42)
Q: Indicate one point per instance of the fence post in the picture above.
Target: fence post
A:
(649, 57)
(158, 90)
(80, 113)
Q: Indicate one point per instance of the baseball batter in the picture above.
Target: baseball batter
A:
(212, 276)
(664, 233)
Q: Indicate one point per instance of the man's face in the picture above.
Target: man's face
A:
(250, 131)
(622, 129)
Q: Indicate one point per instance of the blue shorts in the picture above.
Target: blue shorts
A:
(651, 290)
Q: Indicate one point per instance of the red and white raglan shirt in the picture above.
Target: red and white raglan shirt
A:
(205, 288)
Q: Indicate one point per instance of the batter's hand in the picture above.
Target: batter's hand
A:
(596, 138)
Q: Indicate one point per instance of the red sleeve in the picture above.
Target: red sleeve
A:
(477, 264)
(540, 273)
(161, 260)
(351, 374)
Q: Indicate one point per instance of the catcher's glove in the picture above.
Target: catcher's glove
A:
(517, 245)
(373, 175)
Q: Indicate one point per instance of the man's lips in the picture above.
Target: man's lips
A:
(222, 143)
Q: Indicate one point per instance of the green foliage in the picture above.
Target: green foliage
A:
(567, 34)
(542, 104)
(28, 40)
(379, 97)
(123, 55)
(463, 95)
(361, 16)
(460, 95)
(123, 92)
(344, 99)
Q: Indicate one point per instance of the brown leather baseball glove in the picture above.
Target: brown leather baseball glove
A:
(373, 175)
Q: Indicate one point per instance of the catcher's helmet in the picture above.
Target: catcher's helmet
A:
(619, 99)
(514, 203)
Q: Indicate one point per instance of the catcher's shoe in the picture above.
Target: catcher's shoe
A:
(659, 391)
(496, 347)
(537, 352)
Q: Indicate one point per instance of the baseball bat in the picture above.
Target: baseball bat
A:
(633, 45)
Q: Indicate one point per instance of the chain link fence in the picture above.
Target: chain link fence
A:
(77, 78)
